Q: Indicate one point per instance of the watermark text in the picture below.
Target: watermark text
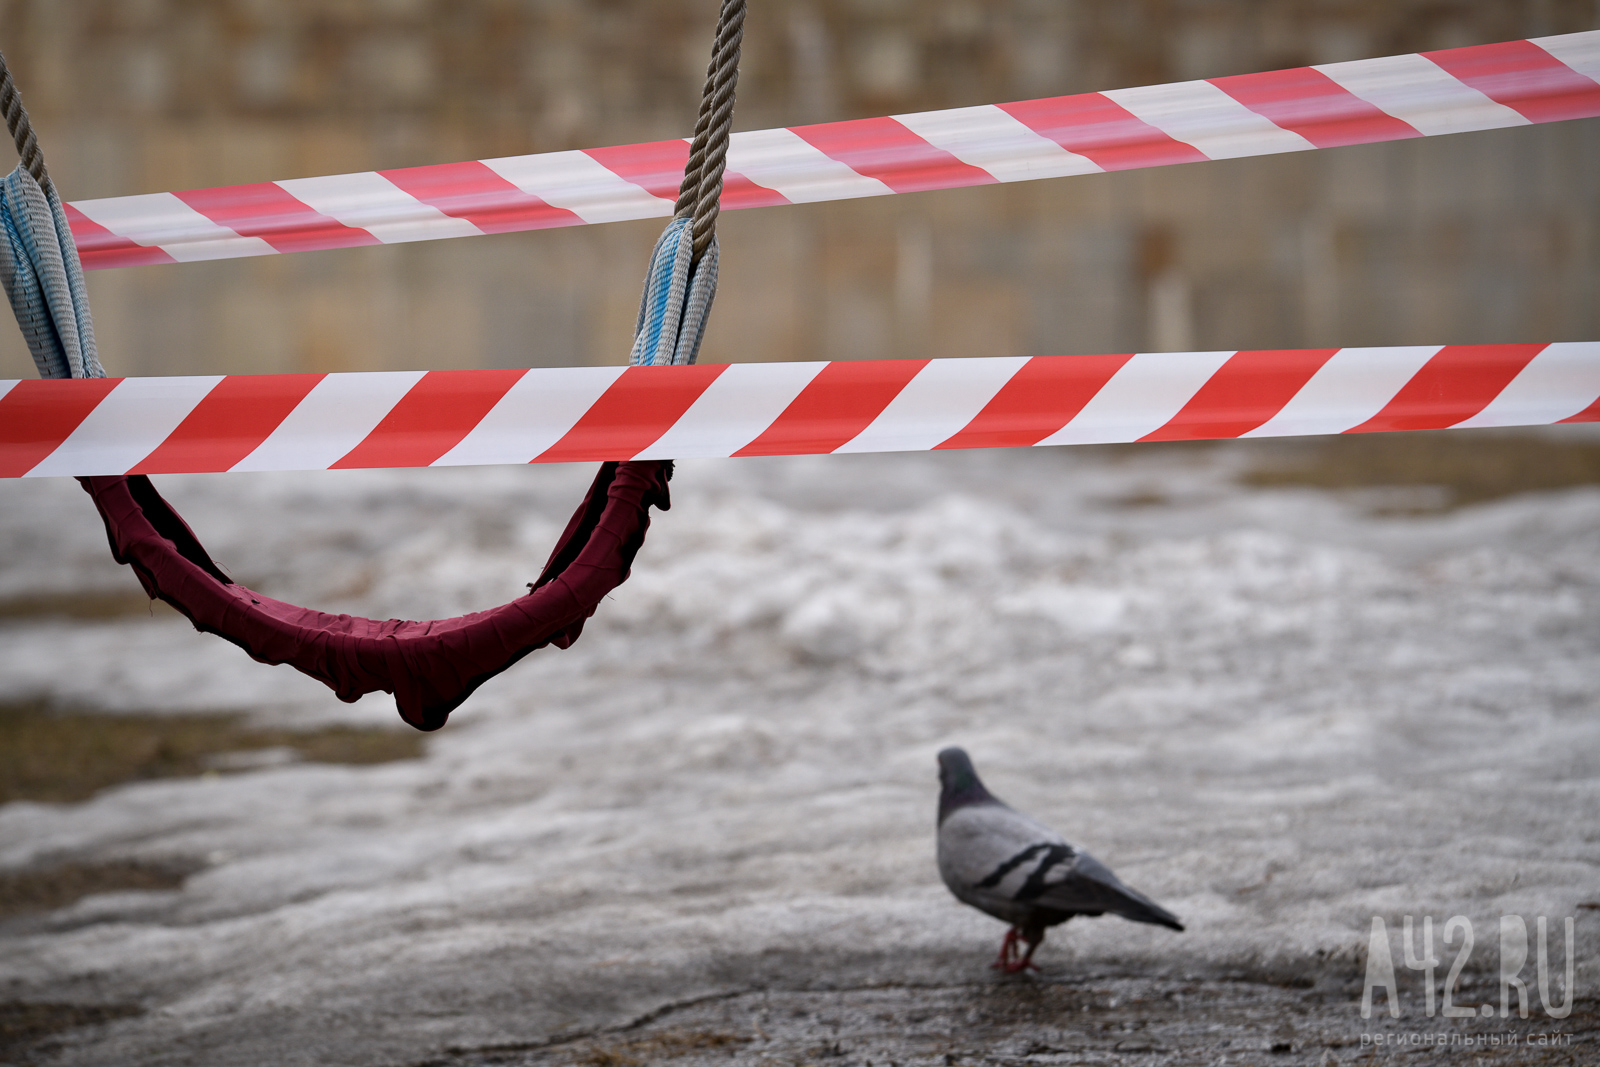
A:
(1381, 974)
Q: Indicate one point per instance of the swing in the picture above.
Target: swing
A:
(430, 667)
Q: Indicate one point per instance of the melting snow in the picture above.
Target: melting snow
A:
(1272, 713)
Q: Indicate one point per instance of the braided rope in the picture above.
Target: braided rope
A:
(700, 195)
(22, 128)
(681, 281)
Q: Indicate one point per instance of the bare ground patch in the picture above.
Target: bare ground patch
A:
(1050, 1019)
(25, 1028)
(66, 756)
(48, 888)
(1441, 469)
(92, 605)
(1161, 1022)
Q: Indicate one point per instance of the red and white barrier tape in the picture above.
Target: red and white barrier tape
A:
(440, 418)
(1453, 91)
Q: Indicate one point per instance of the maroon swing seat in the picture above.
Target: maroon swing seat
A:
(430, 667)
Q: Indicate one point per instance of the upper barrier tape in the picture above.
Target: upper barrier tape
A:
(568, 414)
(1453, 91)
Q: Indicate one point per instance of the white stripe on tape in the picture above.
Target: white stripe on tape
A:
(373, 203)
(1354, 385)
(1416, 91)
(534, 414)
(1141, 397)
(129, 424)
(785, 162)
(1200, 114)
(335, 417)
(138, 415)
(1559, 382)
(1580, 51)
(161, 220)
(742, 402)
(936, 405)
(578, 182)
(1411, 88)
(989, 138)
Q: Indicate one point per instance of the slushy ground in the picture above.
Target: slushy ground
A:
(1276, 698)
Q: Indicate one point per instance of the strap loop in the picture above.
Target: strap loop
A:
(39, 264)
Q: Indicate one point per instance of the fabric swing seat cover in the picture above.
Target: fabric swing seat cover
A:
(431, 667)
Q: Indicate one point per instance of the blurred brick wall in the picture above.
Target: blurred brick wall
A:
(1481, 237)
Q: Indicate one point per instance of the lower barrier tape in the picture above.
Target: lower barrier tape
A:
(117, 426)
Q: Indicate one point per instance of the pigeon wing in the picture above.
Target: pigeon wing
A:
(984, 843)
(988, 852)
(1087, 886)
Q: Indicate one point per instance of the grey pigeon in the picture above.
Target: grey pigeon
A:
(1019, 870)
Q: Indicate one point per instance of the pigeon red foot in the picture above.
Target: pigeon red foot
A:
(1009, 962)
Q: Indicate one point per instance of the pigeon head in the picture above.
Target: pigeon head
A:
(959, 784)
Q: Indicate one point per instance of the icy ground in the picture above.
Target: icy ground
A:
(705, 833)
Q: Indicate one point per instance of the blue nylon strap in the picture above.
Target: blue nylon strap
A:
(43, 279)
(676, 301)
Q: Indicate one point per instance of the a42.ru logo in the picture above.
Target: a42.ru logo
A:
(1513, 959)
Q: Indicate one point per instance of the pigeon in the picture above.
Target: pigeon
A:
(1017, 869)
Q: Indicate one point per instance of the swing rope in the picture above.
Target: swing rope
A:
(431, 667)
(700, 196)
(21, 127)
(682, 278)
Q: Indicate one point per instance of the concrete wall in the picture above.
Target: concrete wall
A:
(1480, 237)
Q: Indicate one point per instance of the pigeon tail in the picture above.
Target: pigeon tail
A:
(1143, 910)
(959, 785)
(1094, 889)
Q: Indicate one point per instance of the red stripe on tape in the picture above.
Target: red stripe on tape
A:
(834, 407)
(100, 249)
(229, 423)
(1525, 78)
(36, 416)
(657, 167)
(473, 192)
(1456, 384)
(641, 405)
(431, 419)
(1245, 392)
(1310, 103)
(886, 150)
(739, 192)
(1095, 126)
(1588, 414)
(267, 211)
(1045, 395)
